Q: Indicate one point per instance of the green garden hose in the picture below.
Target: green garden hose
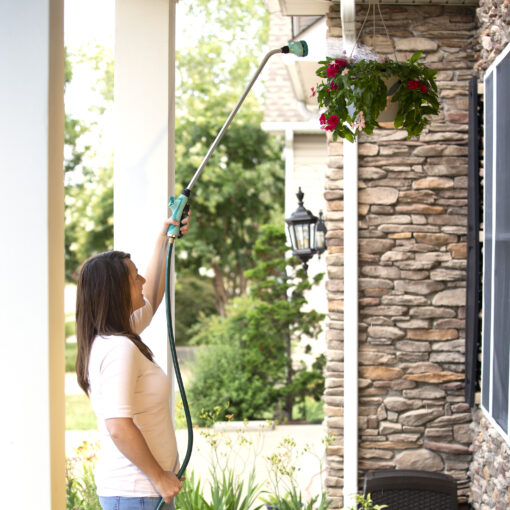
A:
(171, 341)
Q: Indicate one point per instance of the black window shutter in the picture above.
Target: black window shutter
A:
(473, 245)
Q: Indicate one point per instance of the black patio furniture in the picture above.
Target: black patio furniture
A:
(409, 489)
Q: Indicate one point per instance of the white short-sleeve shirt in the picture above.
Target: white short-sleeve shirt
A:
(125, 384)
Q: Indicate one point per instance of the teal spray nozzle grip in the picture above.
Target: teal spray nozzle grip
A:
(177, 206)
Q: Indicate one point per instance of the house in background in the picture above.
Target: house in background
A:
(291, 112)
(402, 333)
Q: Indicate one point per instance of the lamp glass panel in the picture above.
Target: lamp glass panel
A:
(306, 236)
(298, 229)
(312, 235)
(292, 236)
(302, 236)
(319, 239)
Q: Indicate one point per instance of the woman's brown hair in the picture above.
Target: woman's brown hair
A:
(103, 307)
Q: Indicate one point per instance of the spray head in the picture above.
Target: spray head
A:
(299, 48)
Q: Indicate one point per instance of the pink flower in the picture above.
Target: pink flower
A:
(416, 84)
(329, 123)
(332, 123)
(332, 70)
(345, 71)
(333, 86)
(335, 67)
(313, 92)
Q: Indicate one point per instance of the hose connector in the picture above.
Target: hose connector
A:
(299, 48)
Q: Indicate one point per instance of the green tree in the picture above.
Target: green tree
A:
(249, 363)
(89, 217)
(88, 183)
(74, 130)
(242, 186)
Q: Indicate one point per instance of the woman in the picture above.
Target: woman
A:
(130, 394)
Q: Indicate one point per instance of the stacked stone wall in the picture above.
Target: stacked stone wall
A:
(493, 33)
(412, 263)
(490, 486)
(490, 483)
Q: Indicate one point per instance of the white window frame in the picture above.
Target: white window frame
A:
(488, 328)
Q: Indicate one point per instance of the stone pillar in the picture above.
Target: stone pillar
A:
(32, 254)
(412, 261)
(490, 485)
(144, 134)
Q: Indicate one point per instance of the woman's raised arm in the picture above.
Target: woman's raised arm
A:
(154, 287)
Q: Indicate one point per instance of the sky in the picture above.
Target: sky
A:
(85, 22)
(88, 20)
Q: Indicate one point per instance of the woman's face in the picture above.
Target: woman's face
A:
(136, 282)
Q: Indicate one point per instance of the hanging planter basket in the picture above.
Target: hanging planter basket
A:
(366, 94)
(386, 119)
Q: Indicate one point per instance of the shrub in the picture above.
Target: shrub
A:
(232, 369)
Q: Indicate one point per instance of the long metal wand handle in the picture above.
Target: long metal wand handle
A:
(212, 148)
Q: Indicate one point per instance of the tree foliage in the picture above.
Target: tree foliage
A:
(241, 187)
(89, 217)
(249, 360)
(89, 180)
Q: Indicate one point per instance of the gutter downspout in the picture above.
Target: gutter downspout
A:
(350, 154)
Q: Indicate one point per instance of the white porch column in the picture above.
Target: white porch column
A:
(144, 134)
(32, 467)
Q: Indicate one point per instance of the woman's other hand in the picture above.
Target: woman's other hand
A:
(168, 485)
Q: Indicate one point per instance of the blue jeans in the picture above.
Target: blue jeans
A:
(120, 503)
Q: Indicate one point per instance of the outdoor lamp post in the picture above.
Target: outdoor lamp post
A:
(307, 232)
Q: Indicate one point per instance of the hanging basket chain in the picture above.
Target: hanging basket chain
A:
(359, 33)
(371, 5)
(386, 30)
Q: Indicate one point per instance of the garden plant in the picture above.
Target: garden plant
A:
(354, 92)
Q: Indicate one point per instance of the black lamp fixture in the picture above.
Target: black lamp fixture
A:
(307, 232)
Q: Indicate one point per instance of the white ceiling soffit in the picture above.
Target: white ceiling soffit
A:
(303, 78)
(304, 7)
(320, 7)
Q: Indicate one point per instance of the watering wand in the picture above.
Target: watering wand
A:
(299, 48)
(179, 208)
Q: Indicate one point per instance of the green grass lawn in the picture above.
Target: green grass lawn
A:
(71, 351)
(314, 410)
(80, 416)
(70, 325)
(79, 413)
